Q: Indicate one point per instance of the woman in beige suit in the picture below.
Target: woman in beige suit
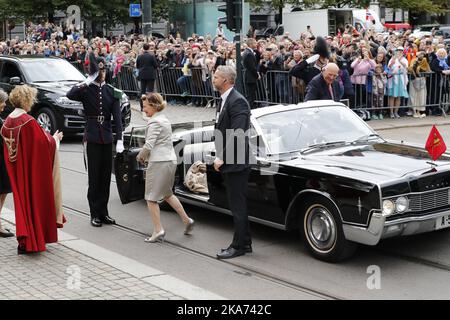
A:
(159, 153)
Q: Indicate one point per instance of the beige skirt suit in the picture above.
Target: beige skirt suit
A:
(158, 151)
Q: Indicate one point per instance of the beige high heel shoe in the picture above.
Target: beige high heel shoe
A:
(156, 237)
(189, 227)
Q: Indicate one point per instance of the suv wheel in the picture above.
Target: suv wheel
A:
(47, 120)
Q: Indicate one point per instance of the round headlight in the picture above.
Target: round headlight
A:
(401, 204)
(388, 207)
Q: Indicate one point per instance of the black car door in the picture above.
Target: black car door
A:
(263, 193)
(130, 175)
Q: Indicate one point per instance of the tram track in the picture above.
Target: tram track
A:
(243, 269)
(267, 276)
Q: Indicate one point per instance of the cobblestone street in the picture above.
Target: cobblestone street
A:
(63, 273)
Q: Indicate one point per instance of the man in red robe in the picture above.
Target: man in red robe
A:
(29, 156)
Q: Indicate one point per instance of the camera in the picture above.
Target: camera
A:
(342, 63)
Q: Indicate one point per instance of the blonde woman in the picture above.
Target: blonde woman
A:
(159, 153)
(30, 157)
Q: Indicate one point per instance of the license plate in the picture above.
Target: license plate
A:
(443, 222)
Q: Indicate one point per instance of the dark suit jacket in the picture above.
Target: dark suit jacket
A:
(108, 106)
(304, 71)
(249, 63)
(318, 90)
(235, 115)
(147, 65)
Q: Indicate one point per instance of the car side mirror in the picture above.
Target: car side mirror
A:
(14, 81)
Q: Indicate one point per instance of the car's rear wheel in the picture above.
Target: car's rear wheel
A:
(47, 120)
(322, 232)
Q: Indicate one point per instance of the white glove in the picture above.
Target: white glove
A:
(91, 78)
(119, 146)
(313, 59)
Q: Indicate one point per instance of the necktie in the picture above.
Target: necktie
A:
(330, 87)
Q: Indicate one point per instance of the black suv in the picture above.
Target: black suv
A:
(53, 78)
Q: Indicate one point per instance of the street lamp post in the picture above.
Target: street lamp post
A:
(195, 15)
(147, 17)
(238, 38)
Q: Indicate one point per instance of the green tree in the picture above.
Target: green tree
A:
(428, 6)
(107, 13)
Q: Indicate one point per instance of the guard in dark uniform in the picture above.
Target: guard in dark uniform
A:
(100, 102)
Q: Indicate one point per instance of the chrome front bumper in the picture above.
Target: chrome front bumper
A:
(379, 228)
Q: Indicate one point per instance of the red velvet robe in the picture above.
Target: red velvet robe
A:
(30, 164)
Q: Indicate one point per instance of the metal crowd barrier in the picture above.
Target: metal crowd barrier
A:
(429, 90)
(277, 87)
(126, 81)
(194, 86)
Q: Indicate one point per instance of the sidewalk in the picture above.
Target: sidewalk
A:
(181, 113)
(74, 269)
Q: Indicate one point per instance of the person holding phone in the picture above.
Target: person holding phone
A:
(397, 83)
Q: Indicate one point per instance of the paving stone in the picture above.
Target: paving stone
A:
(44, 276)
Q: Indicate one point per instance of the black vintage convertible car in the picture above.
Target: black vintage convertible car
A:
(320, 169)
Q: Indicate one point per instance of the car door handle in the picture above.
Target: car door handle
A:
(262, 163)
(210, 157)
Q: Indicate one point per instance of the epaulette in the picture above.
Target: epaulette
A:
(116, 92)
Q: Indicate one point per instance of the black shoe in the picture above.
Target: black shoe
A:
(230, 253)
(247, 248)
(96, 222)
(108, 220)
(6, 234)
(21, 251)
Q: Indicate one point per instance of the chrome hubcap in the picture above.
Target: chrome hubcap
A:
(44, 121)
(321, 228)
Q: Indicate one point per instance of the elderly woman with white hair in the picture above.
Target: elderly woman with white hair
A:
(5, 186)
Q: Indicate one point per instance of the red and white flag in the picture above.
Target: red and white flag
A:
(435, 145)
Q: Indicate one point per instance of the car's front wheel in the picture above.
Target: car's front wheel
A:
(322, 232)
(47, 120)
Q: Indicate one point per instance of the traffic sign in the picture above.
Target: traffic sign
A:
(135, 10)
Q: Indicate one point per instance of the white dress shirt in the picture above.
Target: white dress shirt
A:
(224, 97)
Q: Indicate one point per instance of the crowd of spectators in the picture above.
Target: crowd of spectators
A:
(376, 69)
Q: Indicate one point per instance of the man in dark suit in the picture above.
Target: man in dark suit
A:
(251, 75)
(100, 102)
(309, 68)
(323, 86)
(147, 65)
(232, 156)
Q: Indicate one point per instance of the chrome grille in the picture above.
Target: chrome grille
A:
(429, 200)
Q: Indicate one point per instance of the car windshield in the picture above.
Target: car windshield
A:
(49, 70)
(295, 130)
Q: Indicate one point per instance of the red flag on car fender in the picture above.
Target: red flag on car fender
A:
(435, 144)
